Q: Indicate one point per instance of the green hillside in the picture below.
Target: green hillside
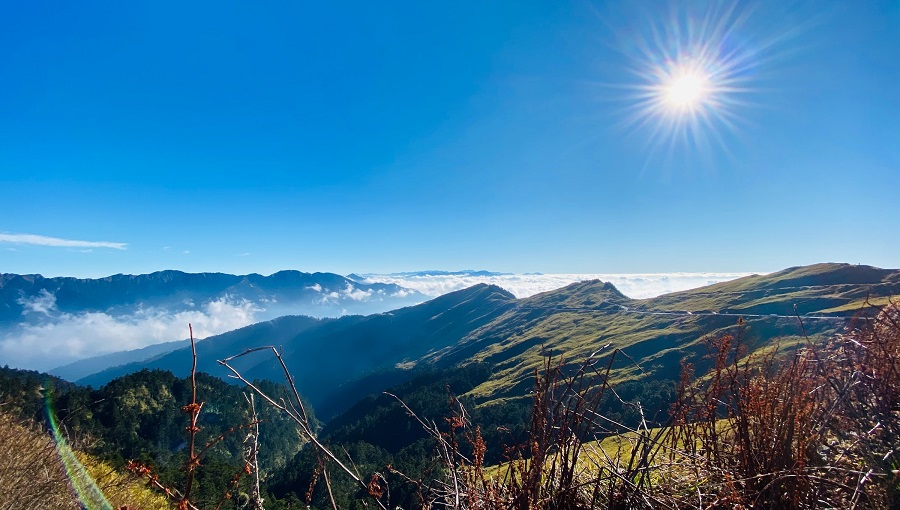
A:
(659, 333)
(812, 289)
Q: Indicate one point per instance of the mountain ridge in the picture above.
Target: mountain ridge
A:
(171, 287)
(486, 324)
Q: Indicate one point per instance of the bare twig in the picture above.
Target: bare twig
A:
(297, 414)
(251, 455)
(194, 410)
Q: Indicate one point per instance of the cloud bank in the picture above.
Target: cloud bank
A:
(46, 337)
(39, 240)
(57, 338)
(637, 286)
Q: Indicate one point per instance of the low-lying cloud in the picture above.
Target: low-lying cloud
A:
(42, 304)
(637, 286)
(59, 338)
(39, 240)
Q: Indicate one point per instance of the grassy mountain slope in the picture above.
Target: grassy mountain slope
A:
(326, 359)
(336, 362)
(813, 289)
(659, 333)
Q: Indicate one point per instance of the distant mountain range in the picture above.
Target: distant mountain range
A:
(465, 272)
(432, 272)
(282, 293)
(50, 322)
(337, 361)
(85, 367)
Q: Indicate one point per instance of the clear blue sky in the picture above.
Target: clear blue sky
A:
(390, 136)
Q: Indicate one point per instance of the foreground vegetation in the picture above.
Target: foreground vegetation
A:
(137, 418)
(32, 473)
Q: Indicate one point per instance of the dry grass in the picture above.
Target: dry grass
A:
(32, 476)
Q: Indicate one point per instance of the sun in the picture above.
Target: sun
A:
(683, 89)
(692, 75)
(686, 91)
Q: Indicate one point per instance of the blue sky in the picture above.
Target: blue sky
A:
(395, 136)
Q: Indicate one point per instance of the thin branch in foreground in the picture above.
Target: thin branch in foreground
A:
(297, 414)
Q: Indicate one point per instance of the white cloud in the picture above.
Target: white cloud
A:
(638, 285)
(334, 297)
(44, 303)
(66, 337)
(356, 294)
(39, 240)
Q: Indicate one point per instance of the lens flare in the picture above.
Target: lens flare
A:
(89, 495)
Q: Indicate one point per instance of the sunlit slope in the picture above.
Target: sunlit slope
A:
(812, 289)
(656, 335)
(326, 359)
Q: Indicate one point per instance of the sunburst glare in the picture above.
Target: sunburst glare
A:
(686, 91)
(692, 76)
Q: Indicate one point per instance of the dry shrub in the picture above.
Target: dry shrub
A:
(746, 435)
(818, 429)
(557, 467)
(31, 474)
(864, 426)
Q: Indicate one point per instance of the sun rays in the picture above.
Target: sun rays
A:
(691, 77)
(686, 91)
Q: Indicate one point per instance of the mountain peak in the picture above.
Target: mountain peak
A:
(486, 289)
(479, 292)
(587, 293)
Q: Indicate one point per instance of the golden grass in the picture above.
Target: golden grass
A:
(32, 475)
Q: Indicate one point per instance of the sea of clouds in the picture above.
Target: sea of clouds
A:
(636, 285)
(47, 338)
